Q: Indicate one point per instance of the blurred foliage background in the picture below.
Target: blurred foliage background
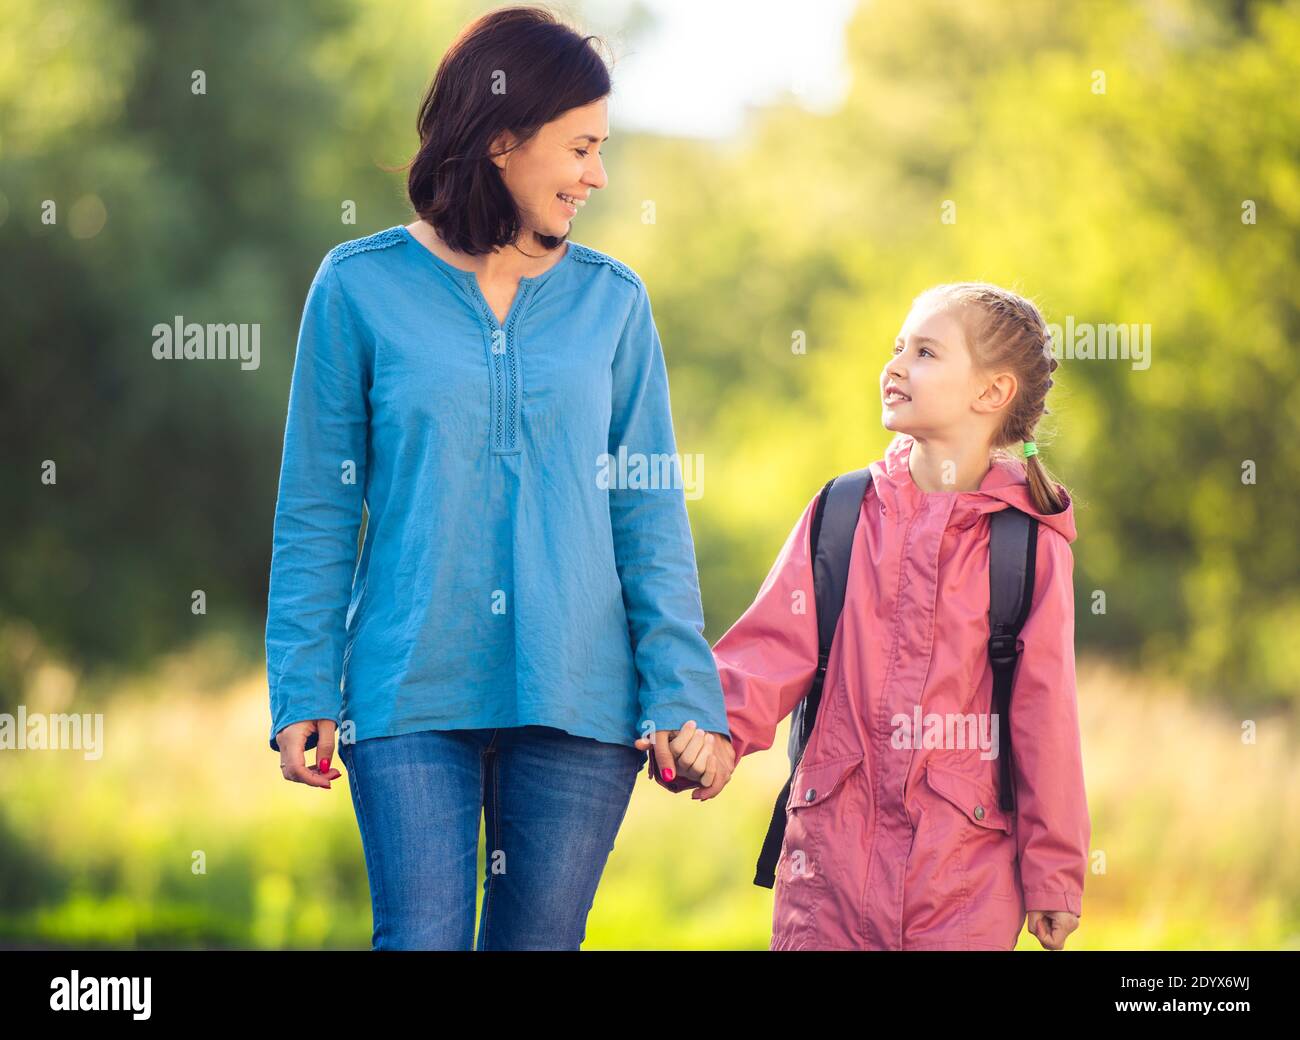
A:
(1121, 206)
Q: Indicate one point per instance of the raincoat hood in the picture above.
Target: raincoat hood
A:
(1005, 484)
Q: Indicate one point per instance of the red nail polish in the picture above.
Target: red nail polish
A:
(324, 765)
(668, 775)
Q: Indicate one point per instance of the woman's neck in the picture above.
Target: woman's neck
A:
(505, 264)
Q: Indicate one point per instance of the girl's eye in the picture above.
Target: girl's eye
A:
(924, 350)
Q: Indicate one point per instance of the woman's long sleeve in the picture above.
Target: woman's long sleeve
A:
(319, 508)
(653, 548)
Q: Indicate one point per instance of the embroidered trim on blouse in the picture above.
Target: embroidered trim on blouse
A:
(379, 240)
(592, 256)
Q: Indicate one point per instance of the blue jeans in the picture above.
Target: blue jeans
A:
(552, 804)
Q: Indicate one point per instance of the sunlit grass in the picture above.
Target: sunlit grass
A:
(184, 833)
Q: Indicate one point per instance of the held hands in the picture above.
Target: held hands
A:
(1051, 927)
(293, 758)
(724, 757)
(690, 758)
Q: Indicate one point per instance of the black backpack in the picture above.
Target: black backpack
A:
(1012, 546)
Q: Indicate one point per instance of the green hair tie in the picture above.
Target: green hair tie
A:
(1030, 448)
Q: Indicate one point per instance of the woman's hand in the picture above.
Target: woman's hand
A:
(684, 756)
(1051, 927)
(293, 756)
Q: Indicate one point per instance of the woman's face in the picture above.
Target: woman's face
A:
(562, 158)
(931, 364)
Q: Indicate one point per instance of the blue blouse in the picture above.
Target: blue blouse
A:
(510, 573)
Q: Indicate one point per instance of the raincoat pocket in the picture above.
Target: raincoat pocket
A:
(977, 801)
(814, 782)
(815, 827)
(822, 867)
(964, 886)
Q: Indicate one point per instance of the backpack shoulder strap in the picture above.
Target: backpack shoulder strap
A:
(835, 521)
(1013, 541)
(838, 510)
(830, 546)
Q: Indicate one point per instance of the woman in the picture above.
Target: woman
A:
(515, 619)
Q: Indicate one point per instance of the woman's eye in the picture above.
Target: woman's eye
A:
(581, 151)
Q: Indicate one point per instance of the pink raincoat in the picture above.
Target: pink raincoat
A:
(892, 843)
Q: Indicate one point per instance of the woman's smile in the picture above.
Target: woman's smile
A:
(572, 203)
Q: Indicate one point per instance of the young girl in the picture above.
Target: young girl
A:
(892, 843)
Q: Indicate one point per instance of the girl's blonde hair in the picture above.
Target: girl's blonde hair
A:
(1007, 333)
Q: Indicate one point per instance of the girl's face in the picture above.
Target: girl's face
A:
(930, 363)
(562, 158)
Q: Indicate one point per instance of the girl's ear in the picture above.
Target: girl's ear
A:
(999, 392)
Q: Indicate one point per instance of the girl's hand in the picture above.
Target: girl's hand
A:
(683, 756)
(1051, 927)
(724, 760)
(293, 757)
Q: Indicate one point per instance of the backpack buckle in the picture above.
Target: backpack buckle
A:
(1002, 649)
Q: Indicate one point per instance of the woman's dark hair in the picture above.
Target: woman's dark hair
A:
(513, 69)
